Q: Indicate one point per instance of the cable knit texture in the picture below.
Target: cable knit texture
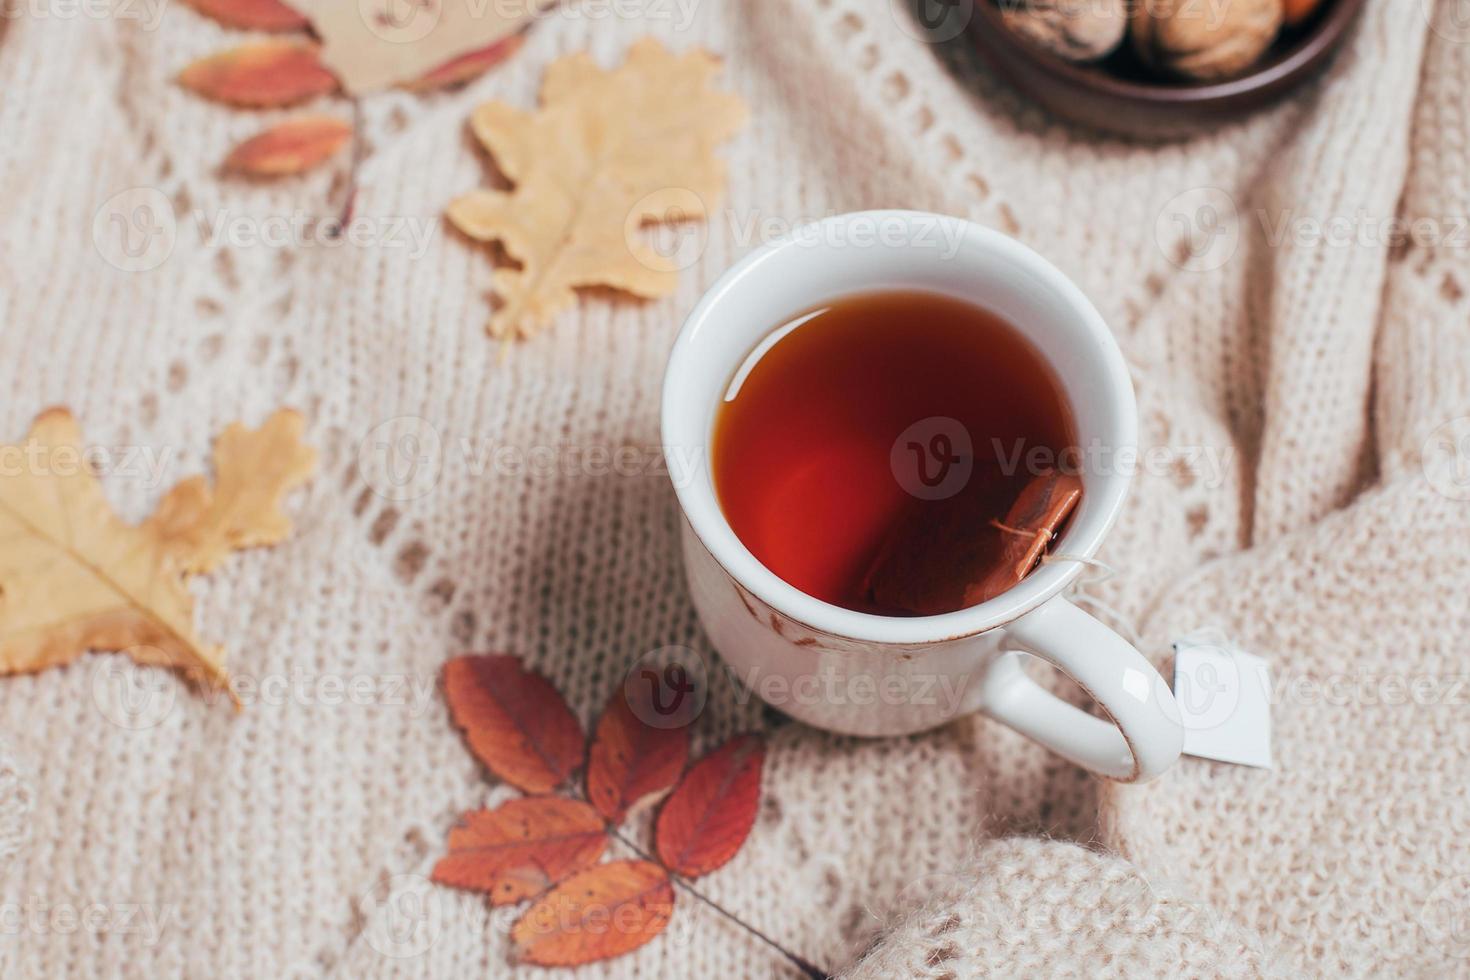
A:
(292, 838)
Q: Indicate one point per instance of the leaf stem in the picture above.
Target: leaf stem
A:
(807, 969)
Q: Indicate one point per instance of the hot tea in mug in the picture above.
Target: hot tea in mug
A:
(888, 424)
(872, 452)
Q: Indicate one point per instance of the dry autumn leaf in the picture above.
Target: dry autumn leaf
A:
(522, 847)
(596, 914)
(290, 147)
(708, 816)
(253, 471)
(607, 153)
(467, 66)
(263, 74)
(515, 720)
(376, 44)
(75, 577)
(632, 763)
(252, 15)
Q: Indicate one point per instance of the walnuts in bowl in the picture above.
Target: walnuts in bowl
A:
(1078, 30)
(1201, 40)
(1205, 41)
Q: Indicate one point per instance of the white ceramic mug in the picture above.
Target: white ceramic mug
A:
(863, 674)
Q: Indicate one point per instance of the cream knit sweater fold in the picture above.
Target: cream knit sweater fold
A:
(1309, 399)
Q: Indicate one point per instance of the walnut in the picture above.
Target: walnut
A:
(1078, 30)
(1202, 40)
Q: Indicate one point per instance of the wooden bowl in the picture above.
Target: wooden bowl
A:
(1121, 95)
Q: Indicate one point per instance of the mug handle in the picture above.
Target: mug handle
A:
(1146, 734)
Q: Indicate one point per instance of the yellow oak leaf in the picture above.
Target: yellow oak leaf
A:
(76, 577)
(253, 472)
(607, 153)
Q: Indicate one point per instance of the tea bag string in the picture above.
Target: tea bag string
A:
(1091, 602)
(1078, 595)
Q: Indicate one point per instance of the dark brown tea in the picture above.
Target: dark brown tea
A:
(870, 450)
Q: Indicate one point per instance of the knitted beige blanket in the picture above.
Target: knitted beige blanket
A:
(1278, 322)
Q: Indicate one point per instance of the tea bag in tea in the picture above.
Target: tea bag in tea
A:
(944, 555)
(1028, 530)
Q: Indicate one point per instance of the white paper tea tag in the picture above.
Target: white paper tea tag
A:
(1223, 696)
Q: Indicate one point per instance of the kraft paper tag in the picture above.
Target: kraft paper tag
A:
(1224, 698)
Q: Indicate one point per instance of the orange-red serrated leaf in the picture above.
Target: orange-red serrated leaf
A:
(605, 911)
(290, 148)
(632, 762)
(268, 73)
(711, 811)
(515, 721)
(521, 848)
(468, 66)
(252, 15)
